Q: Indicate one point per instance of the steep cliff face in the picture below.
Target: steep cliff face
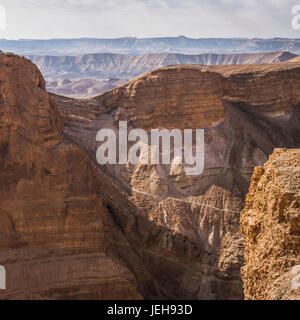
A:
(53, 238)
(271, 227)
(186, 229)
(191, 96)
(71, 228)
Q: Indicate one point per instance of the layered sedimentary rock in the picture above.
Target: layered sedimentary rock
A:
(186, 228)
(54, 233)
(111, 65)
(191, 96)
(271, 226)
(71, 228)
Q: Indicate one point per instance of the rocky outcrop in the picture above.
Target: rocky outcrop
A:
(71, 228)
(192, 95)
(54, 226)
(271, 225)
(186, 229)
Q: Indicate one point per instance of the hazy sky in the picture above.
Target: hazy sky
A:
(148, 18)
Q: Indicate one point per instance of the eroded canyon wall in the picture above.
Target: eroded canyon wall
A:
(186, 229)
(52, 236)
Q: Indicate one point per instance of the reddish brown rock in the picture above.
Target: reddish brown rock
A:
(186, 229)
(52, 236)
(190, 96)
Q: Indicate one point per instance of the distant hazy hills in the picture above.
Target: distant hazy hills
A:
(82, 88)
(108, 65)
(131, 46)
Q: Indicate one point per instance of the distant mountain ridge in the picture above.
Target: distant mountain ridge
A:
(108, 65)
(135, 46)
(83, 88)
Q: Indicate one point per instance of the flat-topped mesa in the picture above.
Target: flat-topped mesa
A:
(111, 65)
(190, 96)
(271, 225)
(191, 236)
(77, 229)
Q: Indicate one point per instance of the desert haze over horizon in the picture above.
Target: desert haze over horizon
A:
(88, 75)
(150, 167)
(134, 46)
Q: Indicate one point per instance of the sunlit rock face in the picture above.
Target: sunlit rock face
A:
(59, 70)
(271, 226)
